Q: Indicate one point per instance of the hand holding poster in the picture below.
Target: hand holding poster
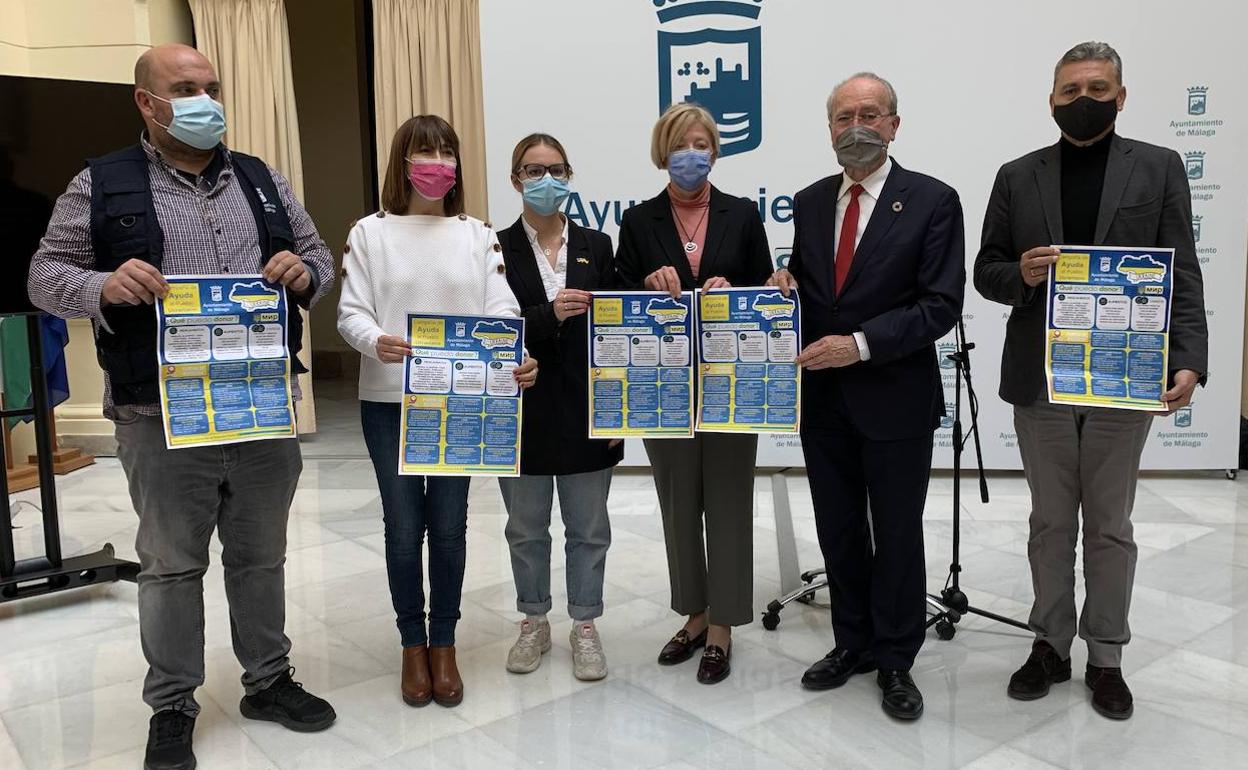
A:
(1107, 335)
(748, 340)
(640, 365)
(224, 362)
(461, 403)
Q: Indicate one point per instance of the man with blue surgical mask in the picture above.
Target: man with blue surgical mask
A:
(181, 202)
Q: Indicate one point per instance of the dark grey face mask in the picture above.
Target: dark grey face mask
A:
(859, 147)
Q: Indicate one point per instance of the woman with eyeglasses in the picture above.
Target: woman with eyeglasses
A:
(420, 254)
(553, 267)
(691, 236)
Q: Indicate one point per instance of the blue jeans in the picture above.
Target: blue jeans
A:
(412, 506)
(587, 531)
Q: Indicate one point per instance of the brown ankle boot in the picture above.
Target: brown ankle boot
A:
(448, 688)
(417, 686)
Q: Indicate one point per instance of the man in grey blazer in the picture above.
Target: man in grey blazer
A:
(1091, 188)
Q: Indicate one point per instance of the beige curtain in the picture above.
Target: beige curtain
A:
(427, 60)
(248, 43)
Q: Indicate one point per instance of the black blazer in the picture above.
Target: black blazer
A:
(1145, 202)
(904, 291)
(735, 249)
(555, 432)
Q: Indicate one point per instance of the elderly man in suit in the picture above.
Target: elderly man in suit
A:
(1091, 188)
(879, 256)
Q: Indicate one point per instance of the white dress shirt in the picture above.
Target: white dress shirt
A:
(872, 186)
(553, 278)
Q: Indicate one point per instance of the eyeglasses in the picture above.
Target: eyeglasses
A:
(537, 171)
(866, 118)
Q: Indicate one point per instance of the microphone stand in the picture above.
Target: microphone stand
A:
(951, 598)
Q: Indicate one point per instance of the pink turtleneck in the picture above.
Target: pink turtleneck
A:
(691, 216)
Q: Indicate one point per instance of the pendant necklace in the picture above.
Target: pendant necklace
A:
(690, 245)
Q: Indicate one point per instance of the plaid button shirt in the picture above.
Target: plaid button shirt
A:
(209, 229)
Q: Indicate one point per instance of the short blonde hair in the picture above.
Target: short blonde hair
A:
(671, 127)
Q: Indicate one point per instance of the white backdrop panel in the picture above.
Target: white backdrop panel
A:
(973, 80)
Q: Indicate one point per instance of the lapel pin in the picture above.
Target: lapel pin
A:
(582, 260)
(897, 206)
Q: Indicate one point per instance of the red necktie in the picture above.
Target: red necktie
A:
(849, 232)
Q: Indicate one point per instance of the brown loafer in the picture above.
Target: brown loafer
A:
(448, 688)
(681, 647)
(417, 685)
(715, 665)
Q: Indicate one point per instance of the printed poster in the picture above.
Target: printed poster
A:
(224, 361)
(641, 365)
(461, 403)
(748, 340)
(1107, 332)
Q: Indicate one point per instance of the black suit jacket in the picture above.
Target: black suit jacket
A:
(1145, 202)
(555, 433)
(904, 291)
(735, 249)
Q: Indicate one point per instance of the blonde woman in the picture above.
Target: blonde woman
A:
(690, 236)
(553, 266)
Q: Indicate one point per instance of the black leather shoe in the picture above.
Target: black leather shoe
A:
(836, 668)
(287, 703)
(1110, 695)
(681, 647)
(169, 741)
(1043, 668)
(715, 664)
(902, 699)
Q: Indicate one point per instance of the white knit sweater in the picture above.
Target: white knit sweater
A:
(394, 265)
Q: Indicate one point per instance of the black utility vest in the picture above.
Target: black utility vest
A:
(124, 227)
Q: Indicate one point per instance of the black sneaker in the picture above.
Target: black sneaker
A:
(287, 703)
(169, 741)
(1043, 668)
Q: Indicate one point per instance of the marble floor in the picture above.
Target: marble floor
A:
(71, 668)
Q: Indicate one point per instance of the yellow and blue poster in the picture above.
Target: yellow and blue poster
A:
(224, 361)
(641, 365)
(461, 403)
(1107, 331)
(748, 340)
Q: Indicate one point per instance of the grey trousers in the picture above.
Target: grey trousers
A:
(587, 536)
(1089, 458)
(181, 495)
(706, 483)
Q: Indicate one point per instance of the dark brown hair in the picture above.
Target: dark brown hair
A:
(537, 140)
(420, 131)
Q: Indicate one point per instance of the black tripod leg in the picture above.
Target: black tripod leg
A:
(998, 618)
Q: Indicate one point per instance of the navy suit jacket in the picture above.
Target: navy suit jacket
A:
(904, 291)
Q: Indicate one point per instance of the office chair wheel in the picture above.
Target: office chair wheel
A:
(945, 630)
(1231, 474)
(808, 576)
(807, 597)
(771, 621)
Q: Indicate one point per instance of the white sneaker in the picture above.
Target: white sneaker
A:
(526, 654)
(589, 664)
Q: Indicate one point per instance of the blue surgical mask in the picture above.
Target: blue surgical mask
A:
(689, 168)
(198, 121)
(546, 195)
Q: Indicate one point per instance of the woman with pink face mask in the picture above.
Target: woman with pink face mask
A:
(420, 254)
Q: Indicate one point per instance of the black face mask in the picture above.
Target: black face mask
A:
(1085, 118)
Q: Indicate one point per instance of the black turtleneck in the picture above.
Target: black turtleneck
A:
(1083, 176)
